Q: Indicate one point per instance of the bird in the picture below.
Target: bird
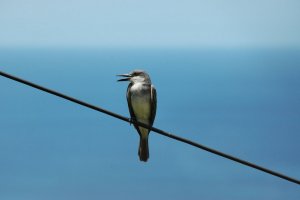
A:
(142, 103)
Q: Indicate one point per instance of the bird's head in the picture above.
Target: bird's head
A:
(136, 76)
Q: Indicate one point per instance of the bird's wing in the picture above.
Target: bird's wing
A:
(132, 115)
(153, 104)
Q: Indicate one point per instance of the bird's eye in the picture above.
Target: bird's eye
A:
(136, 73)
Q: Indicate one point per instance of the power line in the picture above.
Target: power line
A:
(200, 146)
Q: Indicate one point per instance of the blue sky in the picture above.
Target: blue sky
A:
(197, 23)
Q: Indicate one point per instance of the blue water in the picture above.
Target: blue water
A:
(242, 102)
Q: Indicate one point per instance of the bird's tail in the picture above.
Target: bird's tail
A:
(143, 148)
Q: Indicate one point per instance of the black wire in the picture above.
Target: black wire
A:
(152, 128)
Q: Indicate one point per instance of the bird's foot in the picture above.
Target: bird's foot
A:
(130, 121)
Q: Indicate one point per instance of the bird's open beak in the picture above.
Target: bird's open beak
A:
(128, 76)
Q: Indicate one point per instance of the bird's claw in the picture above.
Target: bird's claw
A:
(130, 121)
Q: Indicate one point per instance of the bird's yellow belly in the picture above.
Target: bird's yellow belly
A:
(142, 111)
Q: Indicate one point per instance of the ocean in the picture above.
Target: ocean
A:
(245, 102)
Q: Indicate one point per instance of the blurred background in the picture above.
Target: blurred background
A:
(227, 74)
